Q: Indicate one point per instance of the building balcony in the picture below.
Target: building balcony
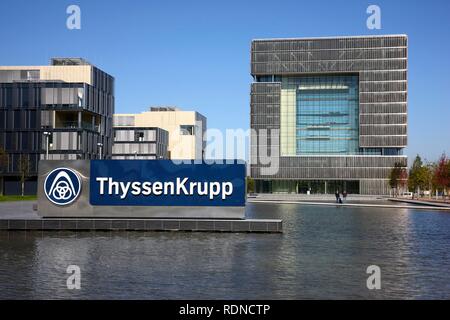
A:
(76, 125)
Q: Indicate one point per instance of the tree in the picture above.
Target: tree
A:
(398, 178)
(24, 169)
(250, 185)
(394, 175)
(418, 177)
(403, 180)
(448, 174)
(442, 174)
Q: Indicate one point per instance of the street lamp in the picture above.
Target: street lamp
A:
(47, 138)
(100, 146)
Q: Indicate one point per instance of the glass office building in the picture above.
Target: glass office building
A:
(339, 107)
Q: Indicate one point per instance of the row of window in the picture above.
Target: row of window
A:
(24, 141)
(265, 88)
(365, 119)
(363, 158)
(135, 148)
(354, 161)
(303, 56)
(364, 76)
(19, 119)
(71, 156)
(55, 95)
(32, 141)
(127, 121)
(276, 67)
(35, 120)
(136, 157)
(383, 141)
(383, 119)
(304, 186)
(382, 75)
(326, 44)
(262, 109)
(137, 135)
(26, 162)
(19, 75)
(383, 97)
(383, 86)
(326, 145)
(383, 108)
(383, 130)
(368, 186)
(330, 173)
(265, 98)
(265, 119)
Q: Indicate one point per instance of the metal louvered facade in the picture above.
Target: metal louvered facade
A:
(380, 65)
(143, 143)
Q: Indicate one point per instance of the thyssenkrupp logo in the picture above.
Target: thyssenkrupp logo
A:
(62, 186)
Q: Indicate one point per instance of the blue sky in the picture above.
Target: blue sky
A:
(195, 54)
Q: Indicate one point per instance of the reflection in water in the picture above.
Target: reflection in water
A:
(323, 253)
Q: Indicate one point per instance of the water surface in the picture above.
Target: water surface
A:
(323, 253)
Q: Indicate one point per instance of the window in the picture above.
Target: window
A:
(392, 152)
(139, 136)
(125, 121)
(271, 78)
(187, 130)
(320, 115)
(33, 75)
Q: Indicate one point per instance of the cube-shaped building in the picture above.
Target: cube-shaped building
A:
(334, 111)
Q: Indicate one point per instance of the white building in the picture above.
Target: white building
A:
(185, 129)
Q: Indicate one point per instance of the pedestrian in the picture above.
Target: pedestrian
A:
(344, 195)
(337, 196)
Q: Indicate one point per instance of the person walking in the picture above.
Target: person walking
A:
(337, 196)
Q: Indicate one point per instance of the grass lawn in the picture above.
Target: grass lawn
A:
(17, 198)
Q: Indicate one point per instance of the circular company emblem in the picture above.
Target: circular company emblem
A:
(62, 186)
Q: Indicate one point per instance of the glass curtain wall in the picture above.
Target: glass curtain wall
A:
(320, 115)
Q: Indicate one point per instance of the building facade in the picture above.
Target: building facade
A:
(185, 130)
(65, 108)
(337, 110)
(143, 143)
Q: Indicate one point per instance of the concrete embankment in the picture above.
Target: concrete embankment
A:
(351, 201)
(422, 202)
(20, 215)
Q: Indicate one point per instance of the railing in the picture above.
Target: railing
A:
(74, 125)
(67, 124)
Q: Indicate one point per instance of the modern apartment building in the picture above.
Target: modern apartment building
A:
(185, 131)
(65, 108)
(337, 110)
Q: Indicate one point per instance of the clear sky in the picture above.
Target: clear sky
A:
(196, 54)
